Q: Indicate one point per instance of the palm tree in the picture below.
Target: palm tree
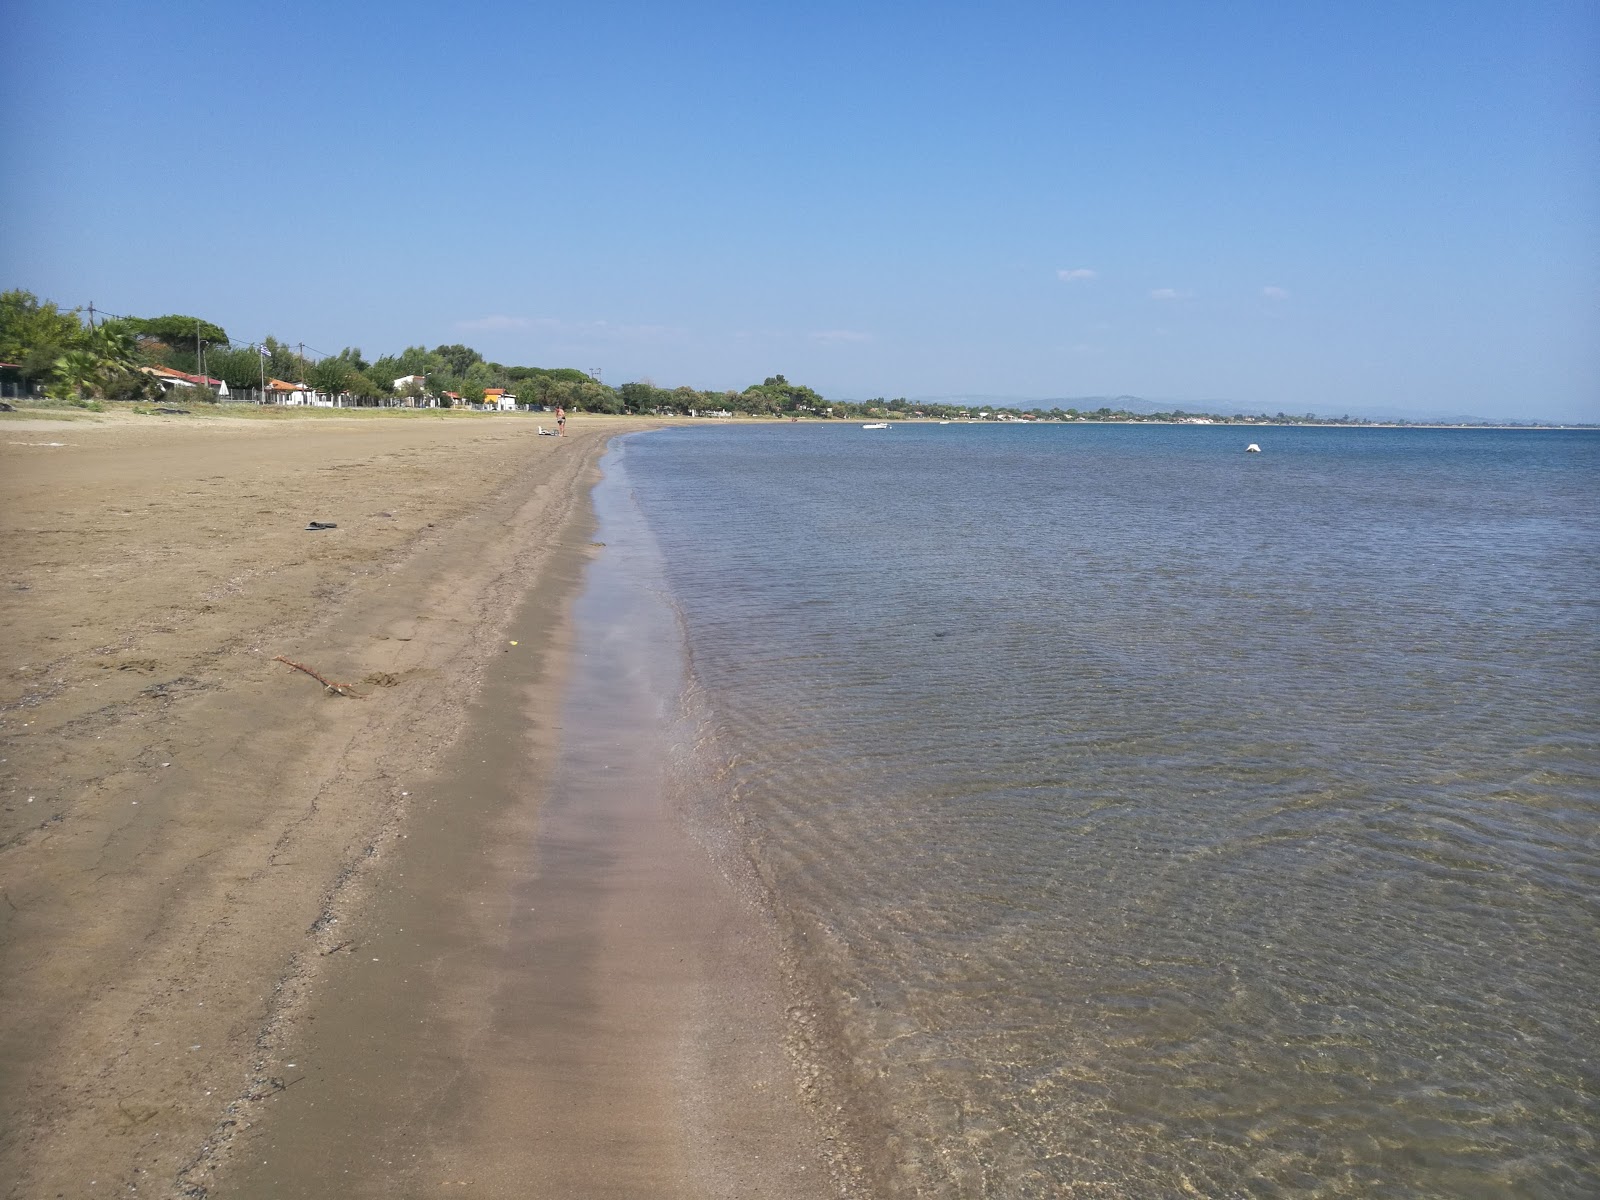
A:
(115, 346)
(77, 370)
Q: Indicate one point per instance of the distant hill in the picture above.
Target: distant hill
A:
(1142, 406)
(1132, 404)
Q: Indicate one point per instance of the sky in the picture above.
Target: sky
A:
(1340, 207)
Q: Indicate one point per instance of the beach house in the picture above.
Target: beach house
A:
(280, 391)
(169, 379)
(413, 392)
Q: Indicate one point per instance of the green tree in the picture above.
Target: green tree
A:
(34, 334)
(237, 368)
(457, 359)
(129, 385)
(535, 389)
(352, 355)
(478, 376)
(332, 376)
(283, 363)
(76, 372)
(593, 396)
(177, 331)
(642, 397)
(114, 341)
(370, 385)
(776, 394)
(119, 377)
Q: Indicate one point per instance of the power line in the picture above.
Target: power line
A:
(105, 315)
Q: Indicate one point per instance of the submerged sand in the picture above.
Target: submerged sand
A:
(260, 939)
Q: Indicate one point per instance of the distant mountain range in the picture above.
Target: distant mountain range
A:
(1137, 404)
(1133, 404)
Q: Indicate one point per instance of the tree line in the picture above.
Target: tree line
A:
(84, 360)
(75, 357)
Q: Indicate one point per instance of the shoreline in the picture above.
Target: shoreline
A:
(41, 417)
(560, 996)
(196, 836)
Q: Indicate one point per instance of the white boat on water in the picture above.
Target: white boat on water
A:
(877, 425)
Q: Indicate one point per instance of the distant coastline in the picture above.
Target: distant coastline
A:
(85, 359)
(1256, 422)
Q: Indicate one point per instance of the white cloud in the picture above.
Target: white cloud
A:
(1168, 294)
(495, 324)
(1275, 293)
(1084, 273)
(836, 337)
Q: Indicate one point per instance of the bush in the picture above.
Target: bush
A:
(131, 386)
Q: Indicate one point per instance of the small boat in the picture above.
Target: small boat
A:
(877, 425)
(1252, 448)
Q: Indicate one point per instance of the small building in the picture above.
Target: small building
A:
(280, 391)
(499, 399)
(412, 392)
(169, 379)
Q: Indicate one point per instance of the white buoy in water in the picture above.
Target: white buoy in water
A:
(1252, 448)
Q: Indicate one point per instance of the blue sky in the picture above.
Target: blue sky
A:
(1326, 207)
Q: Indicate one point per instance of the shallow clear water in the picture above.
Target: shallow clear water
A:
(1148, 818)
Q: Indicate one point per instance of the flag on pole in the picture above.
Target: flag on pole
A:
(264, 352)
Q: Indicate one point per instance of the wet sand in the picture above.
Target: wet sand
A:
(260, 940)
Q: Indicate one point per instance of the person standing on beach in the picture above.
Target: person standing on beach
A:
(561, 421)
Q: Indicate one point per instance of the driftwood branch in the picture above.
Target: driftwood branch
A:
(338, 689)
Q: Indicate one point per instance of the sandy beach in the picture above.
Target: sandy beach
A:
(263, 939)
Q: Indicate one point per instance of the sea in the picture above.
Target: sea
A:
(1142, 817)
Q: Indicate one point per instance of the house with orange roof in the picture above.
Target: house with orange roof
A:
(499, 399)
(281, 391)
(169, 379)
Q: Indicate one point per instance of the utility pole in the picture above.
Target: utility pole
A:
(91, 316)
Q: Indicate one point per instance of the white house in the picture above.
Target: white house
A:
(406, 385)
(281, 392)
(169, 379)
(499, 399)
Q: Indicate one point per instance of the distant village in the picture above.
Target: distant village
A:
(410, 391)
(88, 358)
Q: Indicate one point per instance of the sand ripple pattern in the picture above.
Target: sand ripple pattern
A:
(1156, 820)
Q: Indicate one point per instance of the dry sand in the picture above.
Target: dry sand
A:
(262, 940)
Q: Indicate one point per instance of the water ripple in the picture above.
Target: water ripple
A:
(1152, 820)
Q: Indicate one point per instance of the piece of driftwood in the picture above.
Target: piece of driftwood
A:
(338, 689)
